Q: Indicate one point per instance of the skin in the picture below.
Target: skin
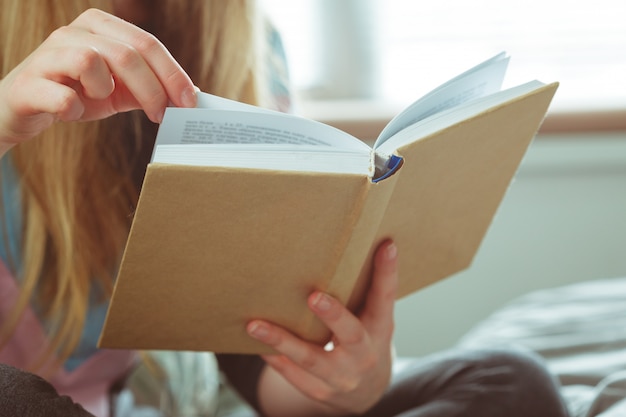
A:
(100, 65)
(351, 378)
(95, 67)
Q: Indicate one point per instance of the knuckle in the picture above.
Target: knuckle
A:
(275, 339)
(87, 59)
(91, 13)
(321, 394)
(60, 34)
(356, 336)
(348, 384)
(175, 77)
(369, 362)
(146, 43)
(308, 360)
(278, 362)
(21, 79)
(66, 103)
(386, 292)
(126, 56)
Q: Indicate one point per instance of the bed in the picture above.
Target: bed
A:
(580, 330)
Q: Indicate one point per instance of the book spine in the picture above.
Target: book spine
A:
(352, 273)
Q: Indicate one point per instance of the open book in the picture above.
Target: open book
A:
(245, 211)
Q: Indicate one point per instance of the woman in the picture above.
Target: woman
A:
(74, 158)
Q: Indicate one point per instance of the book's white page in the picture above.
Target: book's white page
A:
(257, 139)
(449, 117)
(481, 80)
(210, 101)
(303, 158)
(184, 126)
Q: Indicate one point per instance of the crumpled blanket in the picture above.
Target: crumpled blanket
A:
(580, 330)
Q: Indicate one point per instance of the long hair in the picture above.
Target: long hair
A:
(80, 181)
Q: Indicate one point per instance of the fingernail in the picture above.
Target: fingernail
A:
(391, 251)
(189, 98)
(322, 302)
(258, 330)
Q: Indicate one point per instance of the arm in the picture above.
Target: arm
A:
(95, 67)
(242, 373)
(306, 380)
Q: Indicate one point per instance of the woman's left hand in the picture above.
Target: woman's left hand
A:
(352, 376)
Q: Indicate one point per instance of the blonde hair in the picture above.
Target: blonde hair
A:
(80, 181)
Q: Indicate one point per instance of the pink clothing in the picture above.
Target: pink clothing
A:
(88, 384)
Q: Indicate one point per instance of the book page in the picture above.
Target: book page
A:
(208, 126)
(479, 81)
(275, 157)
(210, 101)
(259, 140)
(450, 117)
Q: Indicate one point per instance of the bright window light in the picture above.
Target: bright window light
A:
(400, 49)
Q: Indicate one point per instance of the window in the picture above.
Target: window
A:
(396, 50)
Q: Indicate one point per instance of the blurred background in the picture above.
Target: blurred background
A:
(356, 63)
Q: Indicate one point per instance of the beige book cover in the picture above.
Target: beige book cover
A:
(213, 247)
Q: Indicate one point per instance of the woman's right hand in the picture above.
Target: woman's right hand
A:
(95, 67)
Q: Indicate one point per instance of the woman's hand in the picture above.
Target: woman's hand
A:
(352, 376)
(95, 67)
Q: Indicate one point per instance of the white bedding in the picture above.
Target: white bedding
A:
(580, 330)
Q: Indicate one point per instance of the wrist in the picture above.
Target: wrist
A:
(278, 398)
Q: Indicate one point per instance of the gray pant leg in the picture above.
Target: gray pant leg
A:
(473, 383)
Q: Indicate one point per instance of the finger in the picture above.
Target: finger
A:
(130, 68)
(34, 104)
(40, 95)
(377, 314)
(178, 86)
(307, 357)
(121, 101)
(304, 365)
(124, 63)
(305, 382)
(348, 331)
(79, 66)
(84, 64)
